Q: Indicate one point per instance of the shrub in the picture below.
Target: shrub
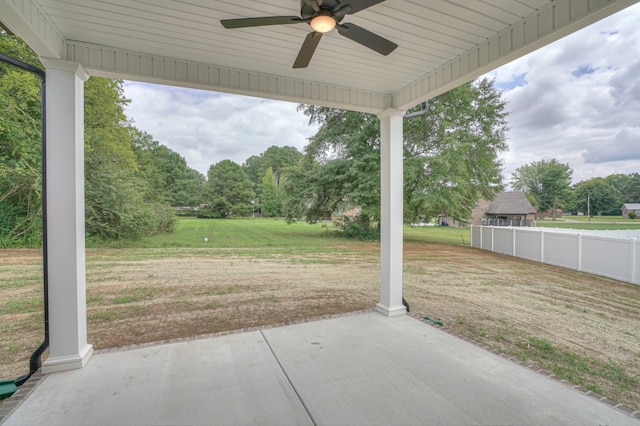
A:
(218, 208)
(632, 215)
(187, 213)
(358, 228)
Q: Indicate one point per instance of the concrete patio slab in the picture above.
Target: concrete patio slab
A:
(370, 369)
(364, 369)
(231, 379)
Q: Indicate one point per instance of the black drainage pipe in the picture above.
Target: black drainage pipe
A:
(406, 305)
(35, 361)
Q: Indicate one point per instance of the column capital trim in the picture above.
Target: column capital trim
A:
(61, 64)
(391, 112)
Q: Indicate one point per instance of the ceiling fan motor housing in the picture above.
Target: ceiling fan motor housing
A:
(327, 7)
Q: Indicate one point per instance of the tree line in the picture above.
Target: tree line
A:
(548, 186)
(131, 181)
(133, 184)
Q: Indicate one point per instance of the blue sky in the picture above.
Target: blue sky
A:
(576, 100)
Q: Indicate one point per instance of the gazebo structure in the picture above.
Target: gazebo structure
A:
(441, 44)
(510, 209)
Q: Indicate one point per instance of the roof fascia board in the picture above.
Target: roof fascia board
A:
(548, 24)
(24, 17)
(106, 61)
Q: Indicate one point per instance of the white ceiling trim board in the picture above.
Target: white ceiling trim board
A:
(116, 63)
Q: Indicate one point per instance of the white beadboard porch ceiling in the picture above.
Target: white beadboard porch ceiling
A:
(442, 43)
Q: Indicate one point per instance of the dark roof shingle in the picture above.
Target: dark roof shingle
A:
(511, 203)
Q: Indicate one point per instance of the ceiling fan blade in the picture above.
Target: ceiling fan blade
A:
(259, 22)
(340, 11)
(358, 5)
(367, 38)
(307, 50)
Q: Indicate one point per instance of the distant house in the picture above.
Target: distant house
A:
(549, 212)
(510, 209)
(630, 207)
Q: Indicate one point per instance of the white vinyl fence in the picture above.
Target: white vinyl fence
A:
(596, 252)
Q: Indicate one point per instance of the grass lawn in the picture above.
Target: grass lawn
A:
(597, 219)
(243, 233)
(588, 225)
(264, 233)
(596, 222)
(437, 235)
(583, 328)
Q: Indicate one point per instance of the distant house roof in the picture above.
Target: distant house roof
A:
(511, 203)
(631, 206)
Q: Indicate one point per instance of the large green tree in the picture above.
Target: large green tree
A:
(229, 191)
(315, 190)
(166, 172)
(627, 187)
(597, 196)
(547, 181)
(121, 200)
(451, 158)
(278, 158)
(272, 194)
(127, 189)
(452, 152)
(20, 147)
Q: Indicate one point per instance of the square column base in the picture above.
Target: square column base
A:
(392, 311)
(64, 363)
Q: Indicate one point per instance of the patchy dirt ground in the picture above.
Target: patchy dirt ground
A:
(198, 295)
(583, 327)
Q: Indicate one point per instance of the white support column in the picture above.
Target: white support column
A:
(391, 212)
(68, 348)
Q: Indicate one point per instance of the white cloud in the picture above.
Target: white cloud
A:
(625, 85)
(625, 146)
(207, 127)
(576, 100)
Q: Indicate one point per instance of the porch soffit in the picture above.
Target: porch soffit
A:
(181, 42)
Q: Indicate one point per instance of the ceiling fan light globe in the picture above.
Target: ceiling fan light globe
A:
(323, 23)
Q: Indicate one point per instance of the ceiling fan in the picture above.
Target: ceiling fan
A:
(323, 16)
